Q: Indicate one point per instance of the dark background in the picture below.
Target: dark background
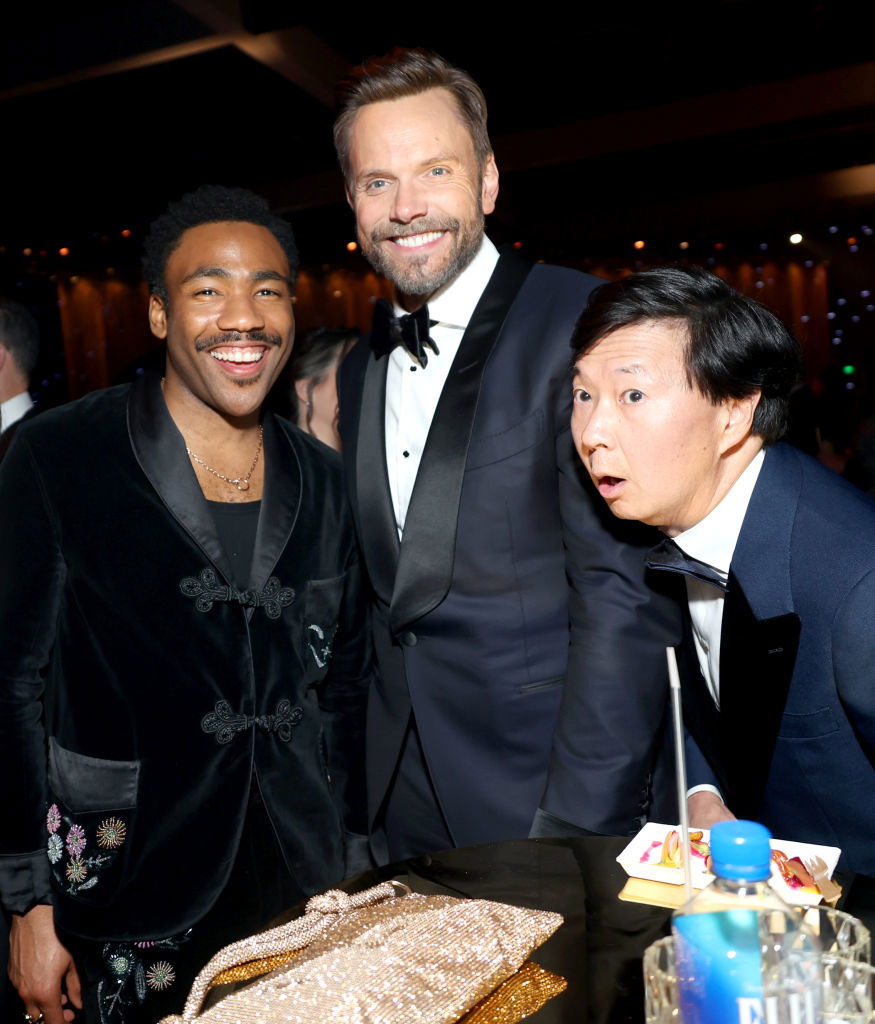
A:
(724, 125)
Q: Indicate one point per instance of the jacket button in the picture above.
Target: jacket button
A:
(408, 639)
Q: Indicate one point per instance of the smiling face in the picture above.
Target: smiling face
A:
(656, 448)
(418, 193)
(228, 320)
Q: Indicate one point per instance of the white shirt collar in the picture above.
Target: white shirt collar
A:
(13, 409)
(712, 540)
(454, 303)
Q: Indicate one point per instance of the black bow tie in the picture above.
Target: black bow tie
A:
(668, 557)
(410, 330)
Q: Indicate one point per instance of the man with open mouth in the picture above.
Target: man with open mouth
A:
(681, 396)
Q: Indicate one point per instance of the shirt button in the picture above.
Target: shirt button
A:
(406, 455)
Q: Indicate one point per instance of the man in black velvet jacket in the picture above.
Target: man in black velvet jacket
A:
(184, 655)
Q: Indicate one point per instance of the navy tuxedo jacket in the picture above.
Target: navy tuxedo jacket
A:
(512, 619)
(140, 690)
(793, 744)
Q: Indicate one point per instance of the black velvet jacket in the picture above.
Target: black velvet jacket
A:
(139, 691)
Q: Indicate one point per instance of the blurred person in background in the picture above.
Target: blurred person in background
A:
(313, 370)
(19, 349)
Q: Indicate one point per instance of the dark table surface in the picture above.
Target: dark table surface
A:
(598, 949)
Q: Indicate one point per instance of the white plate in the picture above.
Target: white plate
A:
(640, 859)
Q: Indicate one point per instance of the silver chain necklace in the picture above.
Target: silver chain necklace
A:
(240, 482)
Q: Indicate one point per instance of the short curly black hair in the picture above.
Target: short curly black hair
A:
(209, 204)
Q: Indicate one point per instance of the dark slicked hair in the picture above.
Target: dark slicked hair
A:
(401, 73)
(209, 204)
(19, 335)
(314, 354)
(734, 345)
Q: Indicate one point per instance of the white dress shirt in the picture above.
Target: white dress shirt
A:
(713, 540)
(13, 409)
(412, 391)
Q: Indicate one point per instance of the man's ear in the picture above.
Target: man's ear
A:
(738, 425)
(157, 316)
(489, 191)
(4, 355)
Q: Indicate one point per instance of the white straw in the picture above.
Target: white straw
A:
(675, 683)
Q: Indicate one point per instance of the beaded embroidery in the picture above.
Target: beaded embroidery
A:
(81, 871)
(322, 652)
(226, 723)
(206, 589)
(76, 840)
(55, 848)
(53, 819)
(111, 833)
(130, 976)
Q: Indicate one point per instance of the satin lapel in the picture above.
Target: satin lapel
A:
(701, 717)
(425, 566)
(379, 531)
(280, 503)
(160, 449)
(757, 658)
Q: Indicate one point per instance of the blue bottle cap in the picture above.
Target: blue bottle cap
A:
(740, 850)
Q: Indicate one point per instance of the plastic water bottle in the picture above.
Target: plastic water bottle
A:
(743, 955)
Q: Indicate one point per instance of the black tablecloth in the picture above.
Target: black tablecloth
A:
(598, 949)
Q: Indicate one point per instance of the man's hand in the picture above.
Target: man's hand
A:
(41, 968)
(706, 809)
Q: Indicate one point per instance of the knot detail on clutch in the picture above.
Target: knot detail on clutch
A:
(226, 723)
(206, 589)
(332, 902)
(410, 331)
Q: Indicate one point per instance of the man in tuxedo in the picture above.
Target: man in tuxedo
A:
(184, 661)
(521, 668)
(19, 349)
(680, 395)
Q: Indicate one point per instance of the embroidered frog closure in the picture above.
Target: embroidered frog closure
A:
(206, 589)
(226, 723)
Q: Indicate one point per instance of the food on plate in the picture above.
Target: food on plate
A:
(794, 872)
(673, 854)
(792, 869)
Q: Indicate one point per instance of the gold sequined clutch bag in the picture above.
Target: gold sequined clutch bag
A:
(377, 957)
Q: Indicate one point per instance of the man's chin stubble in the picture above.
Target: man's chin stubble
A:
(410, 280)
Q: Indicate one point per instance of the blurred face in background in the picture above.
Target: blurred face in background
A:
(318, 410)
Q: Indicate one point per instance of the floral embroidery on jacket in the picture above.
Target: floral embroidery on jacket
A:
(53, 819)
(76, 840)
(56, 848)
(131, 973)
(111, 833)
(82, 871)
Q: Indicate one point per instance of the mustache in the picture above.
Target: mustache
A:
(383, 231)
(236, 337)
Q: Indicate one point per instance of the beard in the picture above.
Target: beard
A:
(419, 274)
